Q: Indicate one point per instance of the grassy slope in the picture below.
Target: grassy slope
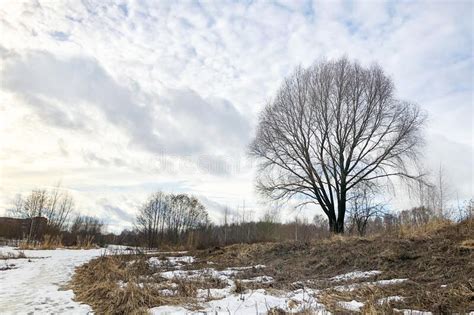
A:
(439, 264)
(437, 261)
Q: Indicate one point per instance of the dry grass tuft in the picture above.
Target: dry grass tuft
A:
(239, 287)
(468, 244)
(54, 242)
(110, 284)
(186, 288)
(49, 242)
(424, 230)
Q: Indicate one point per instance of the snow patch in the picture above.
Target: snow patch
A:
(352, 287)
(255, 302)
(176, 262)
(356, 275)
(394, 298)
(353, 305)
(259, 279)
(169, 310)
(413, 312)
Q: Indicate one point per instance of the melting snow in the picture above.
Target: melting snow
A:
(356, 275)
(259, 279)
(255, 302)
(170, 261)
(394, 298)
(353, 305)
(352, 287)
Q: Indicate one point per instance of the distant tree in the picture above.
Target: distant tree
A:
(169, 216)
(55, 205)
(60, 207)
(34, 205)
(86, 229)
(362, 207)
(331, 127)
(151, 217)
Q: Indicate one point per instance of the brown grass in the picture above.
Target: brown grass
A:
(49, 242)
(98, 284)
(54, 242)
(437, 259)
(424, 230)
(126, 284)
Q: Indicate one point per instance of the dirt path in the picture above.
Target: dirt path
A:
(35, 286)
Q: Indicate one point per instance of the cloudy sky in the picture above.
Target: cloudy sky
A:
(117, 99)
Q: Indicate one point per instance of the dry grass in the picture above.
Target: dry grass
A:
(371, 296)
(424, 230)
(127, 284)
(468, 244)
(54, 242)
(239, 287)
(110, 285)
(49, 242)
(437, 259)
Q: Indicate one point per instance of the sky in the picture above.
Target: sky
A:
(114, 100)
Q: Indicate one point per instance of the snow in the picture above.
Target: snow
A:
(206, 272)
(171, 261)
(225, 300)
(389, 282)
(352, 287)
(394, 298)
(356, 275)
(35, 284)
(259, 279)
(253, 302)
(170, 310)
(413, 312)
(353, 305)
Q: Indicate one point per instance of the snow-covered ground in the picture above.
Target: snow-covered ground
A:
(34, 285)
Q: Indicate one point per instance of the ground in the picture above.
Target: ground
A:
(431, 271)
(36, 284)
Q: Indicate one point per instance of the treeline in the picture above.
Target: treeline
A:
(182, 221)
(365, 218)
(64, 225)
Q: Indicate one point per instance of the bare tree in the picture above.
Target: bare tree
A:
(60, 206)
(151, 217)
(169, 216)
(31, 207)
(434, 193)
(55, 205)
(363, 207)
(330, 128)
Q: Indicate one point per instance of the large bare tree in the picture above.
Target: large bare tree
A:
(331, 127)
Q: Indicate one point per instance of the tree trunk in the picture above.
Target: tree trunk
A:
(336, 226)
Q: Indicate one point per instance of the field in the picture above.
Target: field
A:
(430, 271)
